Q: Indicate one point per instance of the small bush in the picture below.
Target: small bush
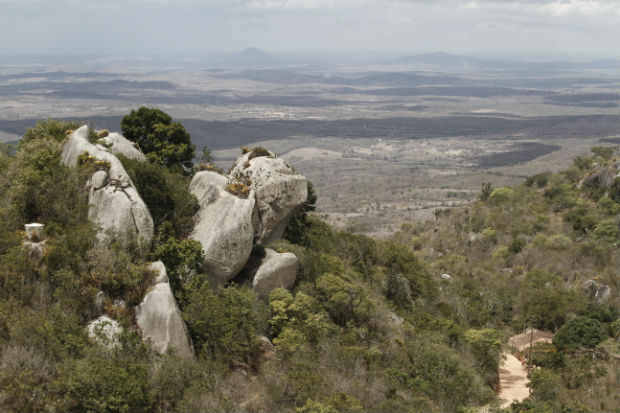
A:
(516, 245)
(608, 230)
(210, 167)
(501, 195)
(558, 242)
(239, 189)
(259, 151)
(49, 129)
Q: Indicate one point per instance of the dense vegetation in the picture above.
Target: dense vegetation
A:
(369, 326)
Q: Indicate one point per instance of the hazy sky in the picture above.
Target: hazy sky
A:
(408, 26)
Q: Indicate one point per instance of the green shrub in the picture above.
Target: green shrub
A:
(104, 383)
(344, 301)
(489, 235)
(180, 258)
(166, 195)
(558, 242)
(224, 326)
(581, 218)
(579, 332)
(49, 129)
(516, 245)
(501, 195)
(607, 230)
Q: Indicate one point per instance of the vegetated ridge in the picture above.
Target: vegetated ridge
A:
(413, 324)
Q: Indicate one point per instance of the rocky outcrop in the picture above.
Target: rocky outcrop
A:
(104, 331)
(599, 292)
(160, 269)
(115, 203)
(119, 145)
(160, 321)
(276, 270)
(223, 226)
(603, 177)
(280, 191)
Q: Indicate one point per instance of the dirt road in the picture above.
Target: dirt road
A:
(512, 380)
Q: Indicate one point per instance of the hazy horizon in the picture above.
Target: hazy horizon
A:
(484, 28)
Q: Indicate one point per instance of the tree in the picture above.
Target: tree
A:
(162, 140)
(485, 192)
(579, 332)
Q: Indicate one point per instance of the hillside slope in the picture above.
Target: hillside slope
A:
(414, 324)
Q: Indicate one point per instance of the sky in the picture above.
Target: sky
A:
(190, 27)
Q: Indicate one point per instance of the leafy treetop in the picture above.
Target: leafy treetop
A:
(162, 140)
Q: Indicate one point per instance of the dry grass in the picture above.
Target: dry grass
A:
(239, 189)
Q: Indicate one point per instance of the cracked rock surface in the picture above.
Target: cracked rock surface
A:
(280, 191)
(115, 203)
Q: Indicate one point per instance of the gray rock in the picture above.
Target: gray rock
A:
(160, 269)
(119, 145)
(115, 203)
(446, 277)
(99, 179)
(223, 226)
(276, 270)
(280, 191)
(394, 318)
(603, 177)
(590, 287)
(160, 320)
(602, 293)
(104, 331)
(99, 300)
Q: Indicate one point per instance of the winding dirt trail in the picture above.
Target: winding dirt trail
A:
(512, 380)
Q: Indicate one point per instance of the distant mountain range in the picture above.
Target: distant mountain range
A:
(253, 58)
(450, 61)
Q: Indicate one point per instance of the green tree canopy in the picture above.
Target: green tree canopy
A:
(162, 140)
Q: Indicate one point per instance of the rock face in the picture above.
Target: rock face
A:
(280, 191)
(160, 269)
(596, 291)
(276, 270)
(223, 225)
(115, 203)
(160, 320)
(603, 177)
(602, 294)
(104, 331)
(119, 145)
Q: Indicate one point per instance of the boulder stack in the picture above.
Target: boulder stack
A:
(252, 205)
(280, 190)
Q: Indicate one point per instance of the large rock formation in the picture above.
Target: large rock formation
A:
(115, 203)
(280, 191)
(223, 225)
(161, 322)
(119, 145)
(276, 270)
